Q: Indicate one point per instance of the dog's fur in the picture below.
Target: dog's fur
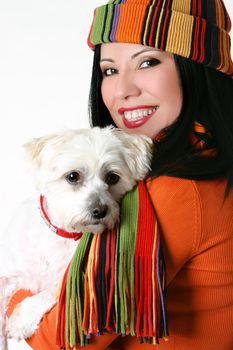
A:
(108, 163)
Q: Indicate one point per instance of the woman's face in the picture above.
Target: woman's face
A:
(140, 87)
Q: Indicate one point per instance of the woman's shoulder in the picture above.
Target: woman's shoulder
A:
(168, 187)
(174, 189)
(174, 195)
(178, 206)
(195, 200)
(188, 211)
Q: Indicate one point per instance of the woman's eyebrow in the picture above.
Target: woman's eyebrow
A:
(133, 56)
(144, 50)
(106, 60)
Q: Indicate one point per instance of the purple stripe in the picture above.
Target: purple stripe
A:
(115, 23)
(161, 290)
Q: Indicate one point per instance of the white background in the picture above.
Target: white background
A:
(45, 69)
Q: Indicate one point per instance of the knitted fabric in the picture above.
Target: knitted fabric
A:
(116, 280)
(194, 29)
(202, 141)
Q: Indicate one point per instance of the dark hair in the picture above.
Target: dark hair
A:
(207, 99)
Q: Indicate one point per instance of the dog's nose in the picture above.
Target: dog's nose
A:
(99, 212)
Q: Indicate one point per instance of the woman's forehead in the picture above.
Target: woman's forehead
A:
(113, 49)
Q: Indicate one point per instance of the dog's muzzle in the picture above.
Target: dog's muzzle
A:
(99, 211)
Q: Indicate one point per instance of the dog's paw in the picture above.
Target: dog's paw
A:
(21, 327)
(24, 321)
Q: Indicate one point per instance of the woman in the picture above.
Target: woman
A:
(163, 68)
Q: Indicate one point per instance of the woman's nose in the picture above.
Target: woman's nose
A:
(126, 86)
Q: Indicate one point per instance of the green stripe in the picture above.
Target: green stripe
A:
(108, 23)
(73, 295)
(126, 238)
(98, 25)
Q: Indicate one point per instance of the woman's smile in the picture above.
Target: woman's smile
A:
(137, 116)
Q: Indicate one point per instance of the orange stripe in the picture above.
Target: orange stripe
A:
(219, 14)
(86, 309)
(230, 66)
(130, 17)
(220, 45)
(225, 54)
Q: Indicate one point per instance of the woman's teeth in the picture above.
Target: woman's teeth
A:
(139, 114)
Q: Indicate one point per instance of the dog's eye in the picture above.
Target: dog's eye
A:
(73, 177)
(112, 178)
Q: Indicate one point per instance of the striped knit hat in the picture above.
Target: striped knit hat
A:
(195, 29)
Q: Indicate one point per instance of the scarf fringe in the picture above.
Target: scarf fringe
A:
(116, 280)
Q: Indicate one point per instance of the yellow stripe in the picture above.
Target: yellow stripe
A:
(225, 56)
(179, 37)
(181, 6)
(219, 14)
(158, 28)
(90, 277)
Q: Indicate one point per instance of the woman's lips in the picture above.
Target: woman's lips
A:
(137, 116)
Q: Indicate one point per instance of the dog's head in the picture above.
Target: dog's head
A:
(84, 173)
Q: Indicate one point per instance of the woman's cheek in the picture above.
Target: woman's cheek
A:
(106, 94)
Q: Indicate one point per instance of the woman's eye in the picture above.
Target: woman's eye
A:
(109, 72)
(73, 177)
(150, 62)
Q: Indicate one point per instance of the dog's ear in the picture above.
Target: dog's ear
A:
(137, 152)
(34, 150)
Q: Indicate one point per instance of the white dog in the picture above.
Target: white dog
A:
(81, 176)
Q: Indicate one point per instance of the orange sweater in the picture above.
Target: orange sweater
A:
(197, 232)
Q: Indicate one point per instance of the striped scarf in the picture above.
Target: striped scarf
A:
(116, 280)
